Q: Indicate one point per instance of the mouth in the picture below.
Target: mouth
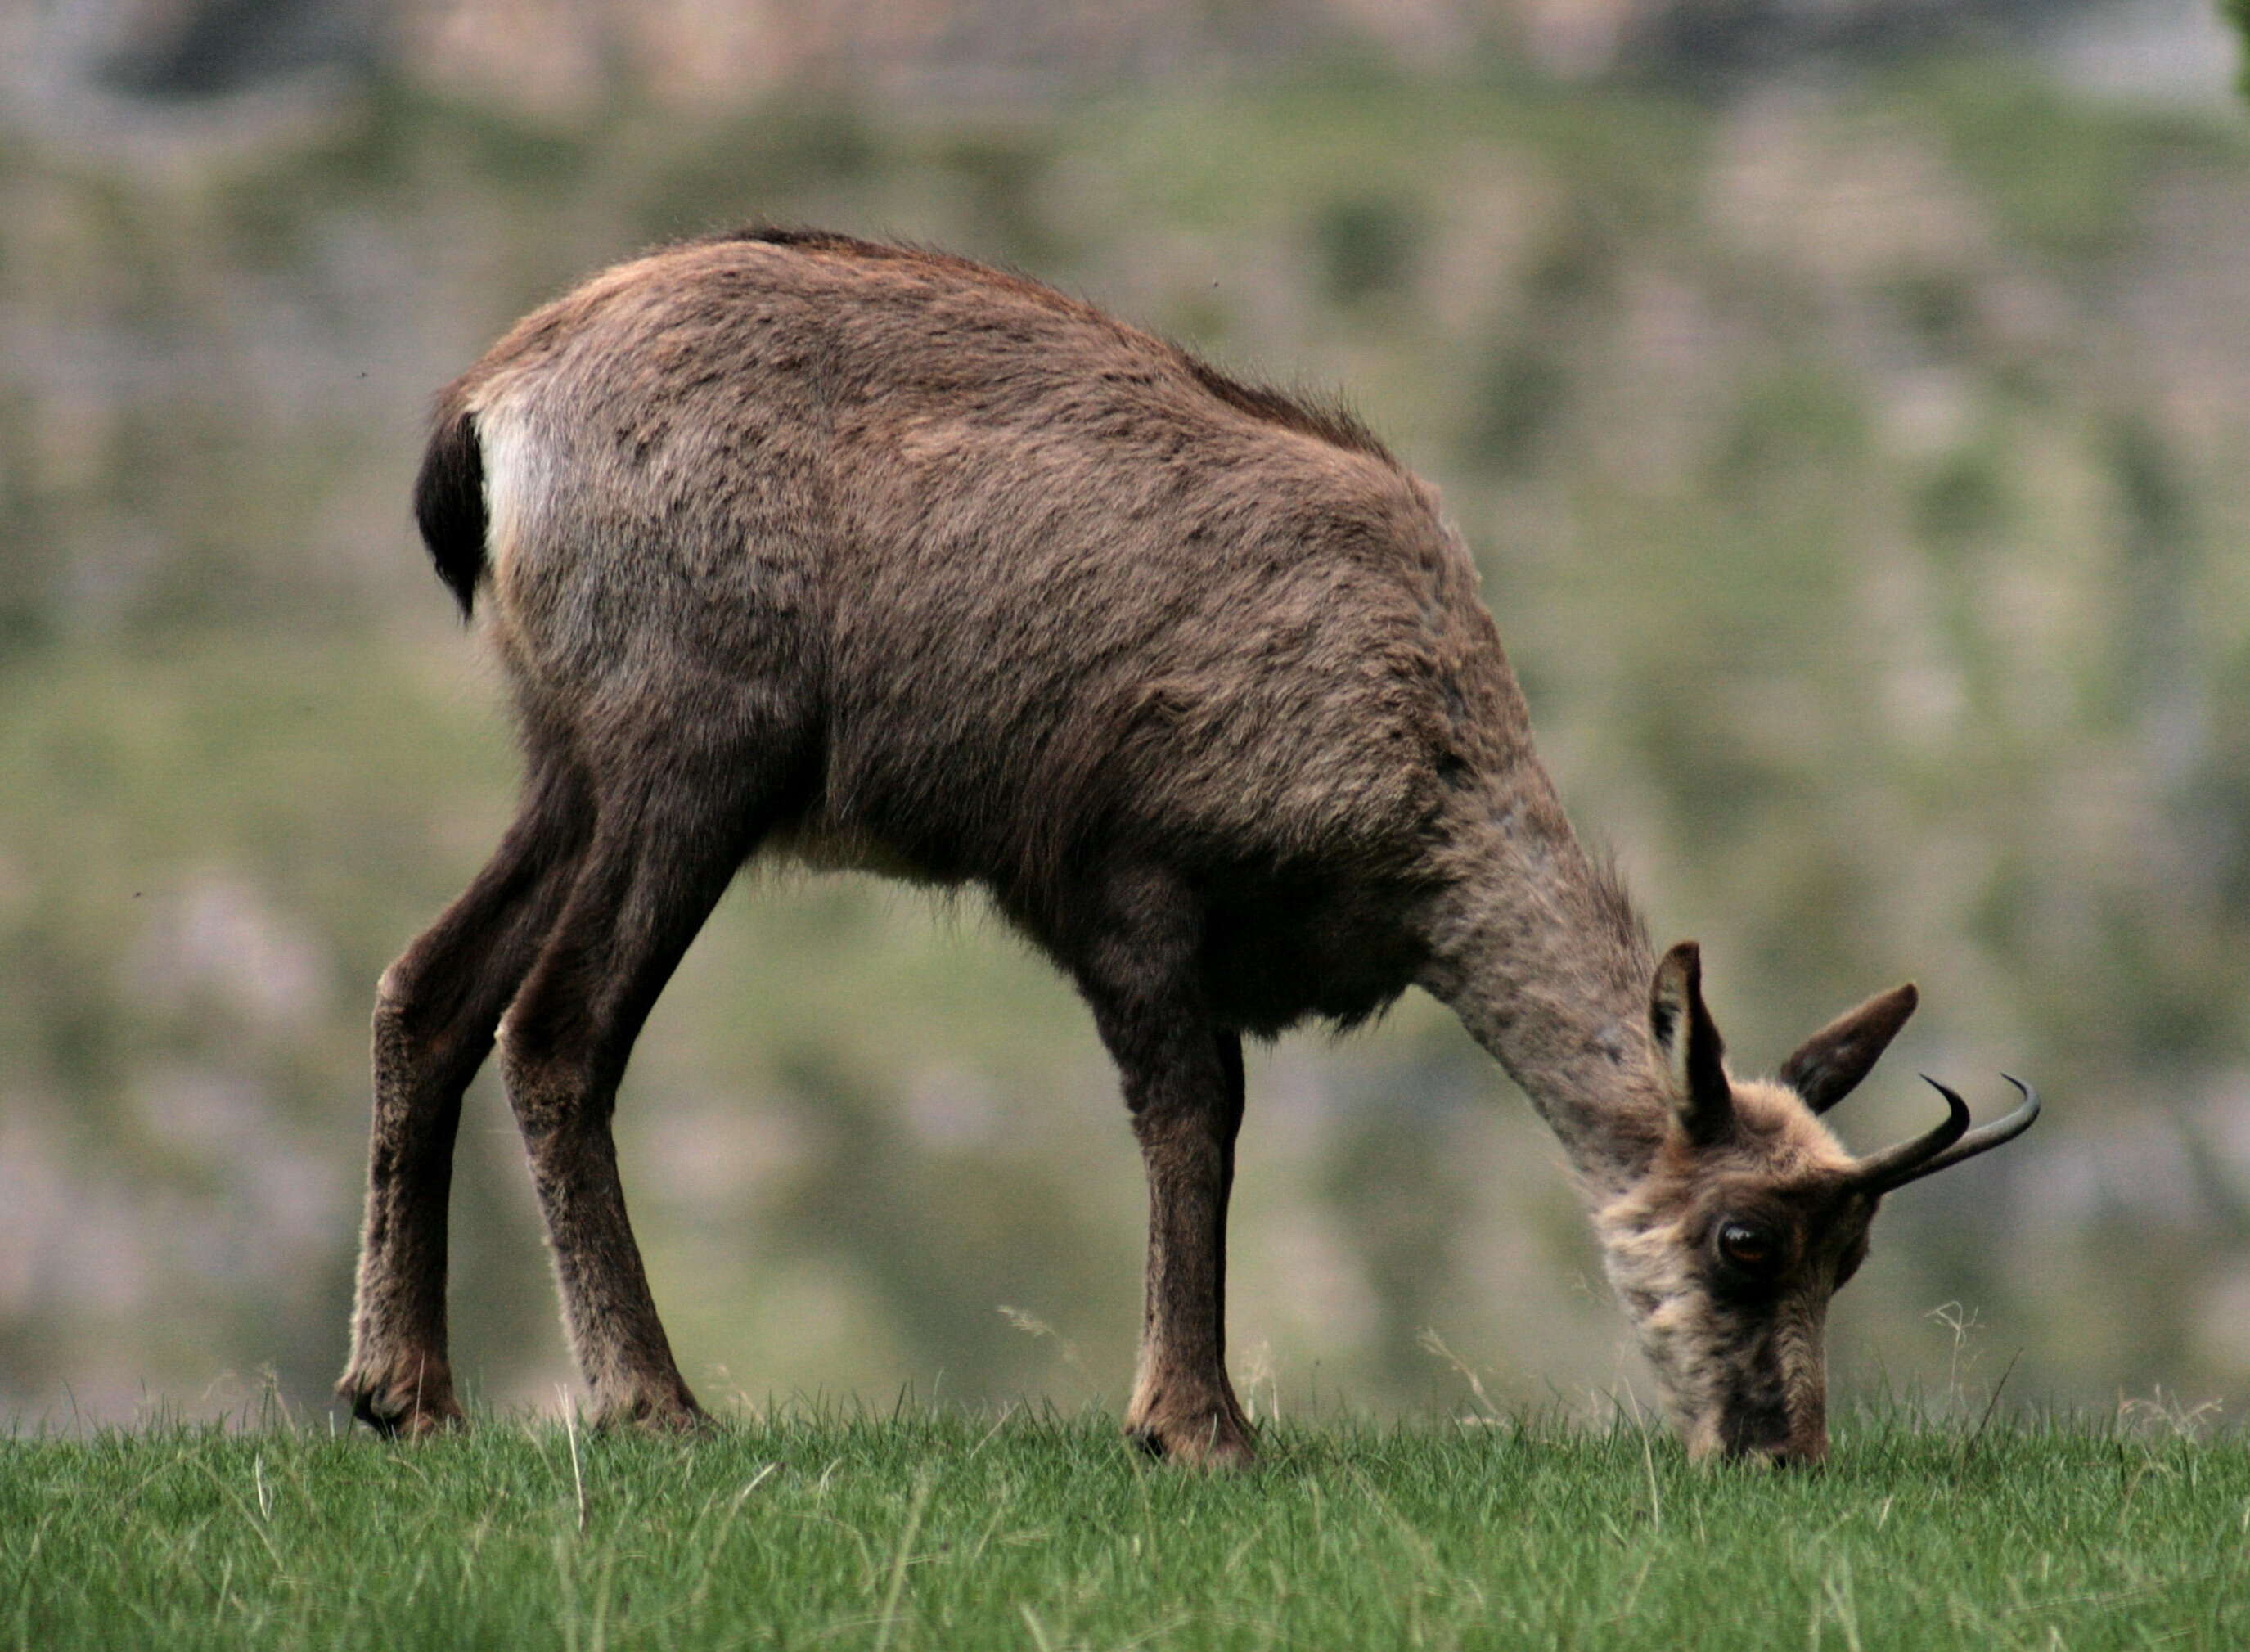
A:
(1764, 1438)
(1804, 1458)
(1791, 1458)
(1802, 1451)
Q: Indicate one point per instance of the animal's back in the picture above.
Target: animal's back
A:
(1011, 572)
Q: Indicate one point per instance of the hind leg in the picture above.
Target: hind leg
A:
(435, 1014)
(669, 838)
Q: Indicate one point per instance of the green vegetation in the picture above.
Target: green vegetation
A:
(946, 1529)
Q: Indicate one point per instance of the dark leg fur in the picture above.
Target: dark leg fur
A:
(661, 856)
(1182, 1079)
(434, 1020)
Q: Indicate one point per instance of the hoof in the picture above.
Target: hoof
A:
(674, 1415)
(1205, 1450)
(403, 1411)
(1212, 1436)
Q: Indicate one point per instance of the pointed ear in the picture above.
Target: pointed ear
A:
(1693, 1053)
(1828, 1065)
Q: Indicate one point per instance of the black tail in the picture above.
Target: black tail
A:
(449, 507)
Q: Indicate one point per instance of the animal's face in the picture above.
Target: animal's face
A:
(1725, 1256)
(1752, 1215)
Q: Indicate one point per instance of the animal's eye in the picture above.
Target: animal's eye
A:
(1749, 1246)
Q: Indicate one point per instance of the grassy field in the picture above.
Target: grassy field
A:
(949, 1530)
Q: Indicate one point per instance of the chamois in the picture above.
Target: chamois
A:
(794, 542)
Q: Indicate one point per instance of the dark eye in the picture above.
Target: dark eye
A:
(1750, 1247)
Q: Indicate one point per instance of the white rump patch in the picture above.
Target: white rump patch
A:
(517, 483)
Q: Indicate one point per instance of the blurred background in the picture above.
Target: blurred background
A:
(1847, 400)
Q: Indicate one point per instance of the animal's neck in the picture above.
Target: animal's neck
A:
(1541, 956)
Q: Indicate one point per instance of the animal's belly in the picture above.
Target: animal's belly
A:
(831, 850)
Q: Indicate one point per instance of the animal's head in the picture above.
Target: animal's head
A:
(1752, 1215)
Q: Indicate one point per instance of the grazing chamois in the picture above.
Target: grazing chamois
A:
(794, 542)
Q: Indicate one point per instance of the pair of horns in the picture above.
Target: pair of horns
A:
(1947, 1144)
(1824, 1070)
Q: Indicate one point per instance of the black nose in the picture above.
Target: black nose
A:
(1807, 1452)
(1771, 1437)
(1781, 1447)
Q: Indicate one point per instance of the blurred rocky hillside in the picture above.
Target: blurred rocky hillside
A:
(569, 57)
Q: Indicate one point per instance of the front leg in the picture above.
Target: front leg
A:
(1182, 1080)
(1183, 1405)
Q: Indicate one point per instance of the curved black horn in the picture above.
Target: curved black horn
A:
(1896, 1166)
(1946, 1145)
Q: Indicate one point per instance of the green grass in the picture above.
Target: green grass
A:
(948, 1529)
